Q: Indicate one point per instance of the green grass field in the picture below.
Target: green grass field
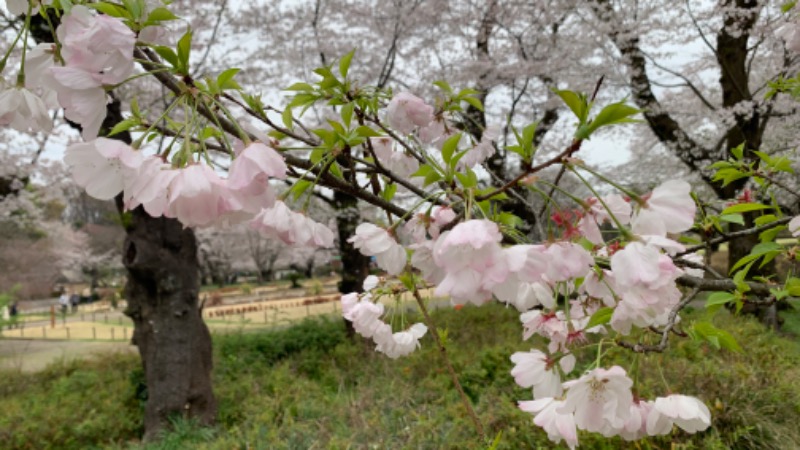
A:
(307, 386)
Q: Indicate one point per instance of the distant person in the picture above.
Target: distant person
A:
(13, 311)
(64, 302)
(75, 300)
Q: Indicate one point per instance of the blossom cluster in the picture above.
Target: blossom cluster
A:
(366, 318)
(628, 269)
(196, 195)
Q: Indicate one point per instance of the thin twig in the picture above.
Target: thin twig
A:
(443, 351)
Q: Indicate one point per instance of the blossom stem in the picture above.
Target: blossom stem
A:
(21, 75)
(453, 375)
(638, 199)
(625, 233)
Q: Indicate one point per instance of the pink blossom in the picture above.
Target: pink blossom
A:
(250, 173)
(18, 7)
(637, 263)
(669, 209)
(599, 287)
(558, 425)
(84, 101)
(483, 150)
(100, 45)
(371, 240)
(149, 187)
(434, 132)
(567, 260)
(688, 413)
(473, 261)
(551, 325)
(402, 343)
(23, 110)
(407, 111)
(534, 369)
(635, 427)
(102, 166)
(600, 400)
(422, 259)
(397, 162)
(291, 227)
(794, 226)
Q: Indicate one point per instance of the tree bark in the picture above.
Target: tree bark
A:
(173, 340)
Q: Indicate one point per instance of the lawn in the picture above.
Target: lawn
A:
(307, 386)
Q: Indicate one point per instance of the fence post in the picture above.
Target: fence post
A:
(94, 333)
(52, 316)
(125, 333)
(67, 332)
(44, 332)
(112, 333)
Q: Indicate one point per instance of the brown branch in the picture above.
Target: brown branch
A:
(730, 236)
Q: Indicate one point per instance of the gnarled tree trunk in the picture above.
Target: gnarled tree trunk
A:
(174, 342)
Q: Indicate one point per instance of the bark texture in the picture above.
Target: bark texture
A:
(173, 340)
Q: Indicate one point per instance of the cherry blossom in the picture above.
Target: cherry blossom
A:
(100, 45)
(483, 150)
(548, 415)
(535, 369)
(402, 343)
(794, 226)
(668, 209)
(149, 186)
(371, 240)
(397, 162)
(291, 227)
(17, 7)
(23, 110)
(688, 413)
(600, 400)
(407, 111)
(101, 166)
(472, 259)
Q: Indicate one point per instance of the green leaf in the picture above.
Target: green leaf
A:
(389, 191)
(576, 102)
(449, 147)
(287, 118)
(299, 187)
(716, 337)
(613, 114)
(225, 79)
(475, 102)
(601, 317)
(184, 52)
(365, 131)
(765, 219)
(160, 14)
(347, 114)
(344, 63)
(738, 151)
(111, 10)
(300, 87)
(793, 286)
(717, 299)
(732, 218)
(443, 85)
(744, 207)
(167, 54)
(124, 125)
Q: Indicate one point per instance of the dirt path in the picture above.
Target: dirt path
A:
(34, 355)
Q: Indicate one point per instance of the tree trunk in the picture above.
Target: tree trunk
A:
(173, 340)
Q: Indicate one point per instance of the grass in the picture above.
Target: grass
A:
(307, 386)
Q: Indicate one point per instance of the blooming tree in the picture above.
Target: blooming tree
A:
(611, 268)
